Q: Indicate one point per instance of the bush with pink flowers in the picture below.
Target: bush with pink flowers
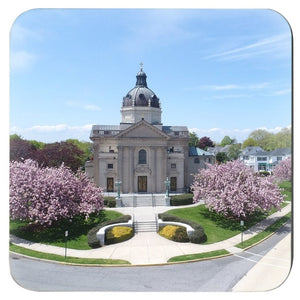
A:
(46, 195)
(234, 190)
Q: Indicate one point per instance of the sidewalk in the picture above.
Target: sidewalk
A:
(276, 263)
(148, 248)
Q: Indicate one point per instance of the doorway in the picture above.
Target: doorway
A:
(110, 184)
(173, 184)
(142, 184)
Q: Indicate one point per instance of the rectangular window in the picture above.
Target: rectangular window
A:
(173, 166)
(196, 160)
(110, 166)
(262, 158)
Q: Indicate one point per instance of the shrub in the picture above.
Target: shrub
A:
(233, 190)
(174, 233)
(197, 237)
(92, 237)
(118, 234)
(109, 201)
(46, 195)
(184, 199)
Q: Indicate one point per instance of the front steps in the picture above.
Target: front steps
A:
(145, 226)
(138, 200)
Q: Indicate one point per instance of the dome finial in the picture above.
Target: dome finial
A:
(141, 64)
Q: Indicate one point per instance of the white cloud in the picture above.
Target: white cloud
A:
(278, 44)
(53, 133)
(240, 134)
(21, 60)
(92, 107)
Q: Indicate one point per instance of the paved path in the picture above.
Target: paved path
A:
(276, 262)
(148, 248)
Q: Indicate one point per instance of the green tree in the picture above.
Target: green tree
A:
(249, 142)
(234, 151)
(15, 137)
(283, 138)
(227, 141)
(270, 141)
(194, 139)
(85, 147)
(221, 157)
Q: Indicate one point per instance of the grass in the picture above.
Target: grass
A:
(74, 260)
(264, 234)
(55, 235)
(287, 189)
(199, 256)
(218, 228)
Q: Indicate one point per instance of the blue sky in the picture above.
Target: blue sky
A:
(218, 72)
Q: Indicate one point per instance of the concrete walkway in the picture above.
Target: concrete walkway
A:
(148, 248)
(276, 262)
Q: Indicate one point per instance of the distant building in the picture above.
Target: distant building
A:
(260, 160)
(141, 152)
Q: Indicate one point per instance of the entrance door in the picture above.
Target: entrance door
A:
(142, 184)
(173, 186)
(110, 184)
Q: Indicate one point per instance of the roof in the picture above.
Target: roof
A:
(253, 150)
(281, 151)
(195, 151)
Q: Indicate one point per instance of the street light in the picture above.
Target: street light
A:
(242, 228)
(118, 184)
(167, 183)
(66, 240)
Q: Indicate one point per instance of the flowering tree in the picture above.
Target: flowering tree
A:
(234, 190)
(45, 195)
(283, 171)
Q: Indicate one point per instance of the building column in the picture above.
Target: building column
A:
(96, 164)
(120, 166)
(153, 168)
(131, 169)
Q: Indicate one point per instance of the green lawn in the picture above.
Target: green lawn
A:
(218, 228)
(199, 256)
(74, 260)
(287, 186)
(55, 235)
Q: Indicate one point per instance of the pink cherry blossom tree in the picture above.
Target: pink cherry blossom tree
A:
(283, 171)
(234, 190)
(45, 195)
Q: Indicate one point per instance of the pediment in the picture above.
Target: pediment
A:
(142, 129)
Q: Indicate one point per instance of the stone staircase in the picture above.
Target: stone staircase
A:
(138, 200)
(145, 226)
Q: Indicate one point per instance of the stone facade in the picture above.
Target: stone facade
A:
(140, 153)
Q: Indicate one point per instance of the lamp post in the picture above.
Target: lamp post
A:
(66, 241)
(118, 199)
(167, 183)
(167, 197)
(242, 230)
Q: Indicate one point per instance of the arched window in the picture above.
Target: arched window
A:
(142, 157)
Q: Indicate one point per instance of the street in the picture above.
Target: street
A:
(212, 275)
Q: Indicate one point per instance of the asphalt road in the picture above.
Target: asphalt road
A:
(211, 275)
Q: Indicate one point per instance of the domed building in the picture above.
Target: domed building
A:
(141, 155)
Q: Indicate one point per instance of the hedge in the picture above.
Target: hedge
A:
(184, 199)
(109, 201)
(118, 234)
(197, 237)
(174, 233)
(91, 236)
